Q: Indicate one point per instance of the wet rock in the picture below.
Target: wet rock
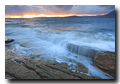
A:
(82, 50)
(82, 76)
(19, 71)
(8, 78)
(82, 68)
(22, 67)
(26, 68)
(9, 40)
(51, 71)
(8, 21)
(106, 62)
(9, 55)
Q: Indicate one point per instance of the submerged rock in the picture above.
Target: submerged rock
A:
(106, 62)
(82, 50)
(9, 40)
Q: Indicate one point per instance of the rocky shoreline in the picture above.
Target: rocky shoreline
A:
(31, 69)
(17, 67)
(20, 67)
(26, 68)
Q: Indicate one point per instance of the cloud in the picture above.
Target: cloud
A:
(57, 9)
(107, 7)
(86, 9)
(63, 7)
(92, 9)
(36, 9)
(16, 9)
(22, 10)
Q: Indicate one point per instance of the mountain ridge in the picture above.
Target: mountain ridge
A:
(108, 15)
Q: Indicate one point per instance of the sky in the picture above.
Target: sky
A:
(29, 11)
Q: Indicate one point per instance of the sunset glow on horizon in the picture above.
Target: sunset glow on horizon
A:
(42, 15)
(33, 11)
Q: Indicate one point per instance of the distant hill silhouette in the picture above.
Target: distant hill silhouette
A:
(111, 14)
(74, 16)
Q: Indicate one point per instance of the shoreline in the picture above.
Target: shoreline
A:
(17, 67)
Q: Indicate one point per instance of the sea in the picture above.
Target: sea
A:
(70, 40)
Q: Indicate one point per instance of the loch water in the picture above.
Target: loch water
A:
(65, 40)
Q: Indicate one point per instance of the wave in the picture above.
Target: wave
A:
(83, 50)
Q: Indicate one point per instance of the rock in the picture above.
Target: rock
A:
(8, 21)
(26, 68)
(9, 55)
(82, 50)
(9, 40)
(106, 62)
(19, 71)
(82, 76)
(82, 68)
(8, 78)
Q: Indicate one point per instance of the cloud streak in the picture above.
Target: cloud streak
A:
(57, 9)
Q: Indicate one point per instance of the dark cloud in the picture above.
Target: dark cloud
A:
(19, 9)
(107, 7)
(15, 9)
(56, 9)
(64, 7)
